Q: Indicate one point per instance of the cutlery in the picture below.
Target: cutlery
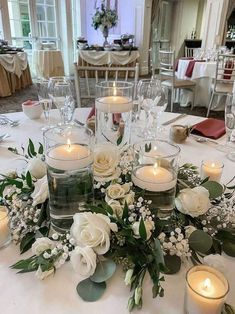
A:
(4, 136)
(180, 116)
(79, 122)
(206, 140)
(5, 120)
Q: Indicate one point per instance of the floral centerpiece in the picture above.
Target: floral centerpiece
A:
(104, 19)
(119, 228)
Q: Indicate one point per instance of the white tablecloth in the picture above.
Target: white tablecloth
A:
(48, 63)
(203, 74)
(14, 63)
(57, 294)
(107, 57)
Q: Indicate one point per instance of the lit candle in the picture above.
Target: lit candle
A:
(69, 156)
(212, 169)
(5, 233)
(114, 104)
(206, 290)
(153, 178)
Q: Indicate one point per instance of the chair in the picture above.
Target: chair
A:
(167, 76)
(224, 77)
(189, 52)
(99, 73)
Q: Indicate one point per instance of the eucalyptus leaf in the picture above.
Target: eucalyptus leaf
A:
(104, 270)
(173, 264)
(229, 247)
(200, 241)
(90, 291)
(215, 189)
(158, 254)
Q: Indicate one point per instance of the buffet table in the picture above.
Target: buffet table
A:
(14, 73)
(57, 294)
(48, 63)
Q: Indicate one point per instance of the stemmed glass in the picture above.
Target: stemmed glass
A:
(45, 101)
(230, 126)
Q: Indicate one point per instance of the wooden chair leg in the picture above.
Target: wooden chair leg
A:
(210, 103)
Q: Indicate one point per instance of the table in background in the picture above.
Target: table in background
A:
(14, 73)
(48, 63)
(24, 293)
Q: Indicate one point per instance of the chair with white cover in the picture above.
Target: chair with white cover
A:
(224, 77)
(189, 52)
(167, 76)
(101, 73)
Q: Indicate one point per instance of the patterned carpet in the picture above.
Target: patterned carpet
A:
(13, 103)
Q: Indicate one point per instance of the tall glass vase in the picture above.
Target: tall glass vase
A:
(105, 34)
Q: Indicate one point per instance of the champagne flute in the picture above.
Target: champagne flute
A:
(230, 126)
(45, 101)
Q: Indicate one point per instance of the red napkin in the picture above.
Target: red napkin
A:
(229, 65)
(116, 116)
(183, 58)
(212, 128)
(190, 67)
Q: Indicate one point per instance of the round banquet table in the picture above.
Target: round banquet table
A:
(24, 293)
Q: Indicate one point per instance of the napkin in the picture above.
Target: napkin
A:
(116, 116)
(190, 67)
(183, 58)
(212, 128)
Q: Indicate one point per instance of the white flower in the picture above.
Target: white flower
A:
(149, 226)
(106, 159)
(41, 245)
(129, 198)
(117, 191)
(41, 191)
(215, 260)
(116, 207)
(193, 202)
(188, 230)
(83, 260)
(92, 230)
(43, 274)
(37, 167)
(128, 277)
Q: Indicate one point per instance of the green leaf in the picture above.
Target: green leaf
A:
(142, 230)
(229, 247)
(27, 242)
(215, 189)
(125, 211)
(147, 147)
(228, 309)
(173, 264)
(29, 179)
(104, 271)
(119, 140)
(40, 150)
(31, 149)
(158, 254)
(200, 241)
(90, 291)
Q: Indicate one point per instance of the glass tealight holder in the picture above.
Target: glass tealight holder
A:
(212, 169)
(206, 290)
(114, 112)
(155, 170)
(5, 232)
(69, 158)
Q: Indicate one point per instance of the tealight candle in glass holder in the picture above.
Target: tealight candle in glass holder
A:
(5, 233)
(206, 290)
(69, 158)
(212, 169)
(155, 171)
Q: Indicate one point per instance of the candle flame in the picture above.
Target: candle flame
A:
(69, 145)
(155, 168)
(207, 284)
(213, 165)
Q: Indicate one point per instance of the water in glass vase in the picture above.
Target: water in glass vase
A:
(69, 191)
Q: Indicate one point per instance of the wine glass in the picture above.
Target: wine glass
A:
(230, 126)
(45, 101)
(68, 110)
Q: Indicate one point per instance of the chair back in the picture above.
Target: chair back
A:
(189, 52)
(225, 70)
(86, 77)
(167, 66)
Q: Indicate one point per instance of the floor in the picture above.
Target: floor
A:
(13, 103)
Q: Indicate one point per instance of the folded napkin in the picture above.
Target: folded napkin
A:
(183, 58)
(116, 116)
(212, 128)
(30, 102)
(190, 67)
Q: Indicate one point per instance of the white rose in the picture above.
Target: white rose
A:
(193, 202)
(148, 227)
(129, 198)
(215, 260)
(41, 245)
(37, 167)
(189, 230)
(117, 191)
(106, 159)
(116, 207)
(41, 191)
(43, 274)
(83, 260)
(92, 230)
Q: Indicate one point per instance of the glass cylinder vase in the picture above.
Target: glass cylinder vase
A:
(69, 159)
(113, 112)
(155, 170)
